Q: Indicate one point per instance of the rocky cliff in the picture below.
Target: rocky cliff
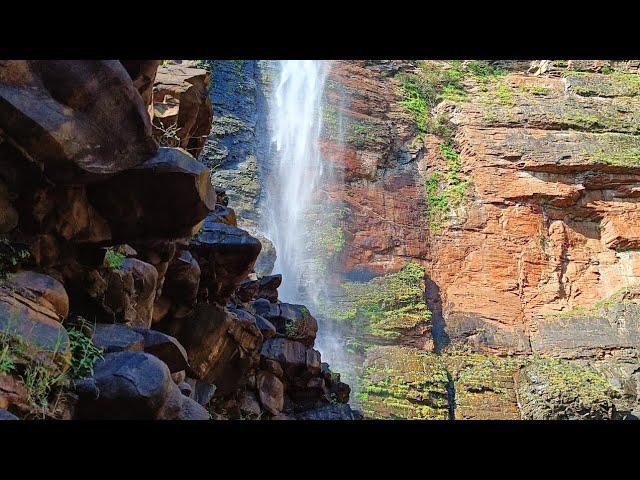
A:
(513, 186)
(127, 289)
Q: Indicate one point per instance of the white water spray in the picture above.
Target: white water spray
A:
(296, 117)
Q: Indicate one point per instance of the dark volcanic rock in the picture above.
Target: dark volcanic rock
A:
(291, 355)
(269, 287)
(166, 348)
(226, 256)
(333, 411)
(271, 392)
(117, 338)
(130, 385)
(201, 392)
(133, 385)
(80, 120)
(293, 321)
(220, 345)
(182, 279)
(4, 415)
(165, 197)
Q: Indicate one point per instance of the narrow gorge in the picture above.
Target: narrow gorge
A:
(319, 240)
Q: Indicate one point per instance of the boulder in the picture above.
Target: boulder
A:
(292, 321)
(66, 212)
(269, 287)
(124, 294)
(247, 290)
(125, 385)
(145, 279)
(332, 411)
(42, 289)
(36, 327)
(182, 107)
(13, 393)
(113, 337)
(133, 385)
(202, 392)
(313, 363)
(270, 392)
(340, 391)
(143, 74)
(166, 348)
(226, 256)
(272, 366)
(291, 355)
(4, 415)
(80, 120)
(221, 346)
(266, 327)
(166, 197)
(182, 279)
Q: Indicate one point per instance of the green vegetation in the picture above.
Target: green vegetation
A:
(40, 381)
(434, 82)
(388, 305)
(42, 377)
(557, 389)
(114, 258)
(11, 256)
(7, 360)
(444, 191)
(84, 354)
(404, 383)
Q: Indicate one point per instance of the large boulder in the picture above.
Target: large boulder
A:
(133, 385)
(226, 256)
(32, 306)
(123, 293)
(182, 107)
(114, 337)
(270, 391)
(166, 348)
(166, 197)
(221, 345)
(80, 120)
(143, 74)
(292, 321)
(291, 355)
(182, 279)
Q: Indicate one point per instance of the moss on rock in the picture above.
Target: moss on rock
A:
(404, 383)
(553, 389)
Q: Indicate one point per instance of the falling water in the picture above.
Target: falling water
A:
(299, 214)
(296, 172)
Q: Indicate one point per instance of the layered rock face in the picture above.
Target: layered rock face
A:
(514, 185)
(127, 289)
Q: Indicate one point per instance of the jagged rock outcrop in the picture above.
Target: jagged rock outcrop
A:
(182, 110)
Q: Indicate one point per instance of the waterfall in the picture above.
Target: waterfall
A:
(295, 173)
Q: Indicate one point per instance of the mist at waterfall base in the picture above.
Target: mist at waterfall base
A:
(296, 208)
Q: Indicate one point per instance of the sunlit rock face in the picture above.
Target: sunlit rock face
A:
(549, 172)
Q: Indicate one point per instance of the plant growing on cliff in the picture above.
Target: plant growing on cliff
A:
(114, 258)
(11, 256)
(84, 354)
(445, 191)
(389, 304)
